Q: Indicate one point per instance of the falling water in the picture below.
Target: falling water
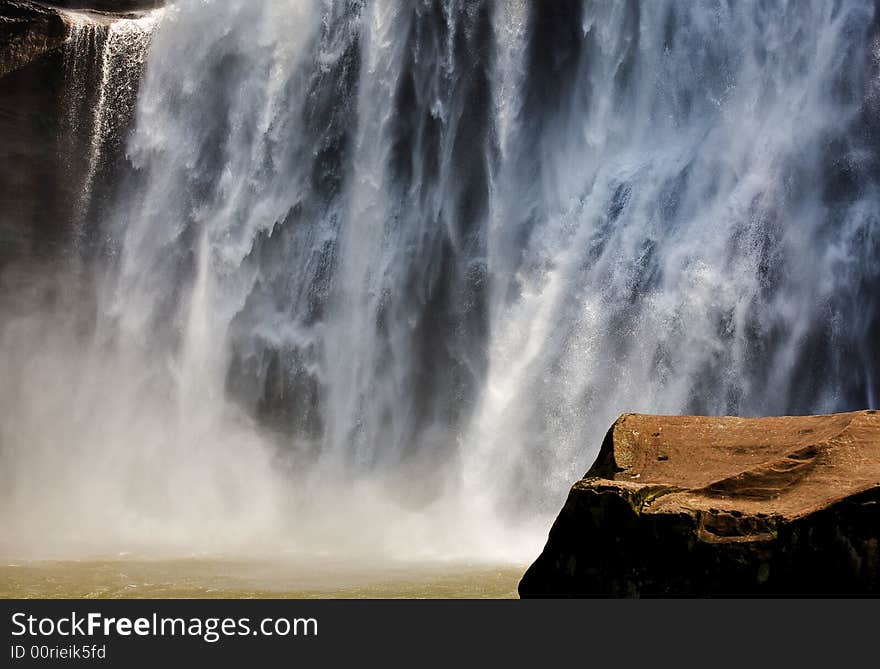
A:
(103, 62)
(380, 274)
(80, 50)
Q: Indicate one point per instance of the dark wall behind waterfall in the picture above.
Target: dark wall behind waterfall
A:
(436, 245)
(53, 66)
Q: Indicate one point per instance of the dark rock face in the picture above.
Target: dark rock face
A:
(44, 154)
(721, 506)
(27, 32)
(33, 187)
(30, 30)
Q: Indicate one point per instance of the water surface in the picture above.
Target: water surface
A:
(239, 578)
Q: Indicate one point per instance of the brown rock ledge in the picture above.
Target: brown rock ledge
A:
(688, 505)
(28, 30)
(31, 28)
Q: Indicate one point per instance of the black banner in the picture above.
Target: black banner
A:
(410, 632)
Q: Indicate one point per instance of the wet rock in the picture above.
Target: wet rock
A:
(34, 192)
(29, 29)
(114, 6)
(27, 32)
(721, 506)
(46, 118)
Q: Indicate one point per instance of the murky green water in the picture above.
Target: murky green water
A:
(235, 578)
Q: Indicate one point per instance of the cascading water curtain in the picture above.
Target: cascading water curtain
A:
(379, 275)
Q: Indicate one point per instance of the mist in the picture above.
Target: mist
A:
(372, 279)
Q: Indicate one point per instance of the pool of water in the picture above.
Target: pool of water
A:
(128, 577)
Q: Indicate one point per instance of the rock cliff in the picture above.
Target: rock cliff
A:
(48, 96)
(27, 32)
(721, 506)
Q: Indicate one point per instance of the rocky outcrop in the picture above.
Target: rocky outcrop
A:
(30, 29)
(27, 32)
(721, 506)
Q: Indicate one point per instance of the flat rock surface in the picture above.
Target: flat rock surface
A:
(787, 466)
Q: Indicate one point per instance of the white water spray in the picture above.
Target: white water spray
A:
(383, 272)
(119, 45)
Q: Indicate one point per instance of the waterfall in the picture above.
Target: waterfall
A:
(103, 62)
(380, 274)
